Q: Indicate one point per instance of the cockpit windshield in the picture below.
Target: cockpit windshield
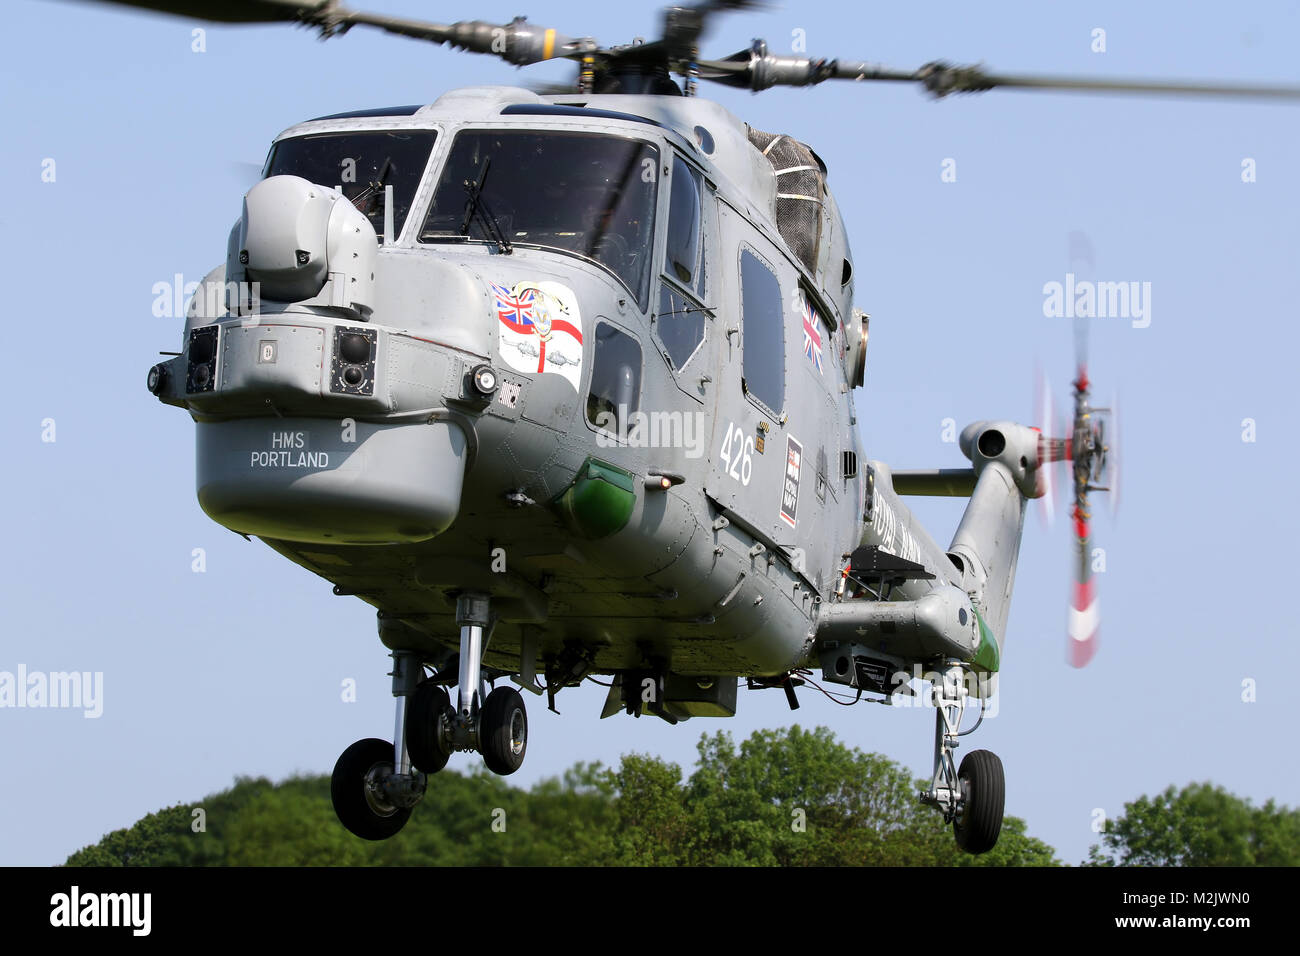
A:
(583, 193)
(362, 163)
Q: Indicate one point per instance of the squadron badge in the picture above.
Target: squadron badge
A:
(540, 329)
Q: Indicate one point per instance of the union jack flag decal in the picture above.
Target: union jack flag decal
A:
(812, 335)
(515, 310)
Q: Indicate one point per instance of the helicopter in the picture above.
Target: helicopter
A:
(546, 406)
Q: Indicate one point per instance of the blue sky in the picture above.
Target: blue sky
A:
(237, 670)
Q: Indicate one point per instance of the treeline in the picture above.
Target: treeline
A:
(1200, 825)
(781, 798)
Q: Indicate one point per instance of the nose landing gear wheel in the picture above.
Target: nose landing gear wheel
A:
(983, 786)
(356, 789)
(503, 731)
(426, 709)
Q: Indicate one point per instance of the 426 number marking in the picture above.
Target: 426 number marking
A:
(737, 454)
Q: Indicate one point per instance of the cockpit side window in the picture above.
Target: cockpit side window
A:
(615, 390)
(679, 323)
(679, 320)
(684, 259)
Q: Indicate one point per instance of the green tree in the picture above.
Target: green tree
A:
(790, 797)
(654, 824)
(797, 797)
(151, 842)
(782, 797)
(1199, 825)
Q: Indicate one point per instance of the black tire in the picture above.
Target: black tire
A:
(985, 787)
(423, 711)
(357, 809)
(503, 731)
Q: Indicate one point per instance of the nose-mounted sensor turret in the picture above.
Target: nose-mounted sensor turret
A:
(300, 242)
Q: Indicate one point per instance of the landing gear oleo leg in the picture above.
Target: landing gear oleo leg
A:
(472, 617)
(495, 724)
(971, 797)
(374, 787)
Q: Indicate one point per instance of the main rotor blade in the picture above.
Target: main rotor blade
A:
(229, 11)
(683, 26)
(757, 69)
(944, 79)
(517, 42)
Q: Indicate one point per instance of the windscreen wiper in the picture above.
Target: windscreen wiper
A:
(476, 207)
(375, 186)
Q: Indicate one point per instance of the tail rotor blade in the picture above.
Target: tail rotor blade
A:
(1084, 620)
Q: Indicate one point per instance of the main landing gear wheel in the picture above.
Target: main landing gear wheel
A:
(356, 789)
(971, 798)
(503, 731)
(426, 711)
(983, 787)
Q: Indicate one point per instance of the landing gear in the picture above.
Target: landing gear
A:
(428, 727)
(496, 724)
(503, 731)
(376, 784)
(973, 797)
(983, 788)
(357, 789)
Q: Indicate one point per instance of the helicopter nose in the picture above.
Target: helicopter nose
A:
(315, 423)
(325, 481)
(296, 436)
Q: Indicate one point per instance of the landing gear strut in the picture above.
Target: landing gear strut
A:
(376, 784)
(973, 797)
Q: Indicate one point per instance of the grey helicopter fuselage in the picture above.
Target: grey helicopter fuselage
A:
(658, 472)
